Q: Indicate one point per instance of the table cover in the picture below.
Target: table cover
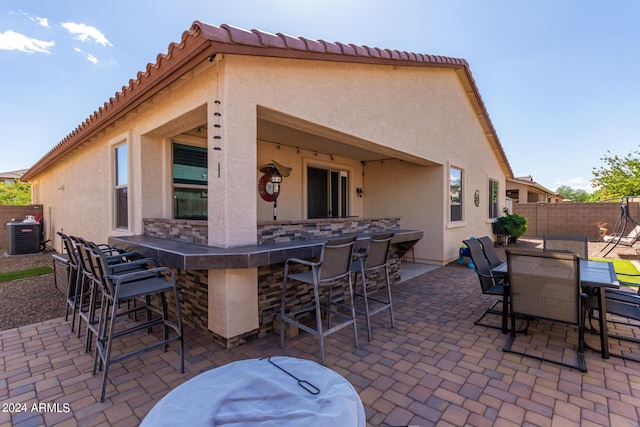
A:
(256, 392)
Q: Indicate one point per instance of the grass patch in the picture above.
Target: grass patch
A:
(625, 270)
(14, 275)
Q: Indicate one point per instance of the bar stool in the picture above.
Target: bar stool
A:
(332, 266)
(74, 272)
(373, 259)
(126, 287)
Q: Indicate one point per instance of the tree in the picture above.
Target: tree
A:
(576, 195)
(619, 177)
(15, 194)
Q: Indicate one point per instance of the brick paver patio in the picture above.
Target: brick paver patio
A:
(435, 368)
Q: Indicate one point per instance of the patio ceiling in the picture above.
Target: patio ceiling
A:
(286, 130)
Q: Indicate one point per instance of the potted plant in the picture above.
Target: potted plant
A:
(511, 224)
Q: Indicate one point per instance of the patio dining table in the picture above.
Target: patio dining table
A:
(598, 276)
(269, 391)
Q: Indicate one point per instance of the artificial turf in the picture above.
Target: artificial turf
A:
(22, 274)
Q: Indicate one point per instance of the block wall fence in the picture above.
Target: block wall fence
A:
(573, 218)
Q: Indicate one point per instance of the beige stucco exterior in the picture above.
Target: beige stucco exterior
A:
(394, 130)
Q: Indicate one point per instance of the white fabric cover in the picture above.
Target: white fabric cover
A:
(255, 393)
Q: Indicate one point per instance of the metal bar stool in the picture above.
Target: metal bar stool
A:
(373, 259)
(332, 266)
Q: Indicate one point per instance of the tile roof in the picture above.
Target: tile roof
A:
(203, 40)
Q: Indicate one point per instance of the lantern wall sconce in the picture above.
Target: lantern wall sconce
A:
(360, 192)
(275, 171)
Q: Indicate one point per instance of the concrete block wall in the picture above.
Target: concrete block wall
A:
(573, 218)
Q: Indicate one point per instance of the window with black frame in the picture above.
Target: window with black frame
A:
(121, 187)
(455, 194)
(190, 180)
(493, 198)
(327, 193)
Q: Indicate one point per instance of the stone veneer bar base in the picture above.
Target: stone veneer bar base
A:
(194, 284)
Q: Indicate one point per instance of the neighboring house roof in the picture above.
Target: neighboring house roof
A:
(202, 41)
(528, 180)
(12, 175)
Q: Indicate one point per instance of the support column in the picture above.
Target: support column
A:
(232, 130)
(233, 301)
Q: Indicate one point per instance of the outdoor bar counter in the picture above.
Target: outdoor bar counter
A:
(234, 293)
(195, 256)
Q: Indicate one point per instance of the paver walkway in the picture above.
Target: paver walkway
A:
(435, 368)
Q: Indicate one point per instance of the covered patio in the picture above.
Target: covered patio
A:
(435, 367)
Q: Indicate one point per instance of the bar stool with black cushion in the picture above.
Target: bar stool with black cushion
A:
(84, 280)
(331, 267)
(122, 263)
(116, 289)
(74, 271)
(374, 258)
(491, 284)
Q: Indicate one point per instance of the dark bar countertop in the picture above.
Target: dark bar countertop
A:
(194, 256)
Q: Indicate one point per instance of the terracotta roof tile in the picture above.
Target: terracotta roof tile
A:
(373, 51)
(270, 40)
(314, 45)
(297, 43)
(204, 40)
(347, 49)
(331, 47)
(242, 37)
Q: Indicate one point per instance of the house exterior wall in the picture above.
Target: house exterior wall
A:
(393, 119)
(419, 119)
(384, 109)
(78, 191)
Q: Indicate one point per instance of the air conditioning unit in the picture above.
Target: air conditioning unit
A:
(23, 238)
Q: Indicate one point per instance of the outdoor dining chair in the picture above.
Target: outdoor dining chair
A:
(158, 282)
(373, 259)
(333, 266)
(572, 243)
(546, 285)
(489, 249)
(490, 284)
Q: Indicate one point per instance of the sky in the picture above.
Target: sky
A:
(558, 77)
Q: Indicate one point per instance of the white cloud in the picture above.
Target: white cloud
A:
(10, 40)
(88, 56)
(578, 183)
(44, 22)
(85, 33)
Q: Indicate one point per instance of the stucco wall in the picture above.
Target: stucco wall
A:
(384, 109)
(419, 115)
(78, 190)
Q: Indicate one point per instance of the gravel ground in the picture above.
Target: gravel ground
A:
(30, 300)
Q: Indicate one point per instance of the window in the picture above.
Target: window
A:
(455, 194)
(190, 171)
(493, 198)
(121, 187)
(327, 193)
